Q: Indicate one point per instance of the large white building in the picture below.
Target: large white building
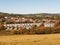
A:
(23, 25)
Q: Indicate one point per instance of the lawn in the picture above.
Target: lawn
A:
(46, 39)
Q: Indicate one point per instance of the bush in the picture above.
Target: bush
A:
(33, 30)
(6, 32)
(16, 32)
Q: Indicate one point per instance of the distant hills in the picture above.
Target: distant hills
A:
(38, 14)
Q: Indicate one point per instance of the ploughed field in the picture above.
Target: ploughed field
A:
(47, 39)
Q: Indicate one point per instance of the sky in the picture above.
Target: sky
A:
(30, 6)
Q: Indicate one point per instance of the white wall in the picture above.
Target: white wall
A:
(49, 24)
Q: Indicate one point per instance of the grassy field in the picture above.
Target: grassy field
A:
(48, 39)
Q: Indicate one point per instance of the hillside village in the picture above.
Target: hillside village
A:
(27, 23)
(19, 22)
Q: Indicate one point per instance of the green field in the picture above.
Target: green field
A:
(47, 39)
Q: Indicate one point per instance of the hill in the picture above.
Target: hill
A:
(37, 14)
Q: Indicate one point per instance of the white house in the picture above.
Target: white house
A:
(48, 24)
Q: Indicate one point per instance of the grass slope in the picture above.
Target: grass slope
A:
(48, 39)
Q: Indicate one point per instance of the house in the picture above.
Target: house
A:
(48, 24)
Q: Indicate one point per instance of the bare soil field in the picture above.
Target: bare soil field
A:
(47, 39)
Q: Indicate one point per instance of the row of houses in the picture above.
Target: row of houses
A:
(21, 25)
(21, 19)
(27, 25)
